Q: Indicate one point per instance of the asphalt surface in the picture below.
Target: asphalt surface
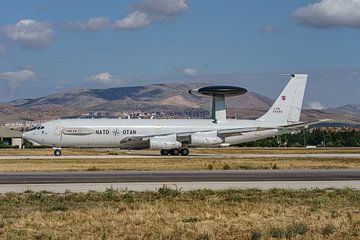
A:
(211, 156)
(178, 176)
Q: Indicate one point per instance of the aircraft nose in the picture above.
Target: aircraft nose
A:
(25, 135)
(30, 136)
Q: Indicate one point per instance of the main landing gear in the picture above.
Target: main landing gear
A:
(57, 152)
(175, 152)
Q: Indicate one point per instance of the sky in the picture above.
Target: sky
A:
(54, 46)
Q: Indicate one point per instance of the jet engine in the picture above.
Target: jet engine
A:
(205, 138)
(164, 142)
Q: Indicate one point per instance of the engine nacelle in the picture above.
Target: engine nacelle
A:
(164, 142)
(205, 139)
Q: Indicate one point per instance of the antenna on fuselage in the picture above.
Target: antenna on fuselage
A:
(218, 94)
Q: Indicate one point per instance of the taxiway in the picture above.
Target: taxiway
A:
(186, 180)
(214, 156)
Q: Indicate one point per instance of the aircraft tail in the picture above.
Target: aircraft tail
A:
(287, 107)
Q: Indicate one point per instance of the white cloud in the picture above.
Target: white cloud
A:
(92, 24)
(148, 10)
(14, 79)
(330, 13)
(30, 33)
(316, 106)
(162, 8)
(269, 28)
(191, 72)
(132, 21)
(104, 78)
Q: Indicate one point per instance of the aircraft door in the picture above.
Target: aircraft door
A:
(57, 129)
(158, 129)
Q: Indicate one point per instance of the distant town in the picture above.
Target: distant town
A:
(23, 125)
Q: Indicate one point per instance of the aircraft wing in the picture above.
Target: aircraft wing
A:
(185, 136)
(141, 141)
(239, 131)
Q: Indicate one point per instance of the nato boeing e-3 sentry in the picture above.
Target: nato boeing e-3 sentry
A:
(175, 136)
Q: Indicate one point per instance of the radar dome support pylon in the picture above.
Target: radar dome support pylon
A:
(218, 94)
(218, 108)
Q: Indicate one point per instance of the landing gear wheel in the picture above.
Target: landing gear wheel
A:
(174, 151)
(184, 151)
(57, 152)
(164, 152)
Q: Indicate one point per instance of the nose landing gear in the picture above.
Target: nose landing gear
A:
(57, 152)
(175, 152)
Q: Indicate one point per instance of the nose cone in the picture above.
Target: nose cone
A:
(31, 137)
(25, 136)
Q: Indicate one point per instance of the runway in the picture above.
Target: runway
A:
(177, 176)
(192, 156)
(186, 180)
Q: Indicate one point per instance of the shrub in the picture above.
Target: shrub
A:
(191, 219)
(277, 233)
(334, 214)
(210, 167)
(58, 207)
(328, 230)
(165, 191)
(226, 166)
(274, 166)
(93, 169)
(255, 235)
(296, 229)
(129, 197)
(203, 236)
(110, 194)
(113, 153)
(42, 236)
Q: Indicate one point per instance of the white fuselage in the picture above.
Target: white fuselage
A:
(111, 132)
(177, 133)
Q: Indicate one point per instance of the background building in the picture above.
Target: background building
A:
(11, 137)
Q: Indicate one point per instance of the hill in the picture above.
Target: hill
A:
(9, 113)
(349, 109)
(168, 98)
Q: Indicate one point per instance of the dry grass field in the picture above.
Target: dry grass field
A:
(50, 152)
(174, 163)
(173, 214)
(237, 150)
(229, 150)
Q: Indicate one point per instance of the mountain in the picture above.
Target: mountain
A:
(144, 98)
(9, 113)
(349, 109)
(168, 98)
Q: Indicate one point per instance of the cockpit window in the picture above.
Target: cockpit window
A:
(38, 127)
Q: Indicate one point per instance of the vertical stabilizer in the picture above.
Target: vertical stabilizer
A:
(287, 107)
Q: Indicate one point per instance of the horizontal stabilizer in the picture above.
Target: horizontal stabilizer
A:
(303, 124)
